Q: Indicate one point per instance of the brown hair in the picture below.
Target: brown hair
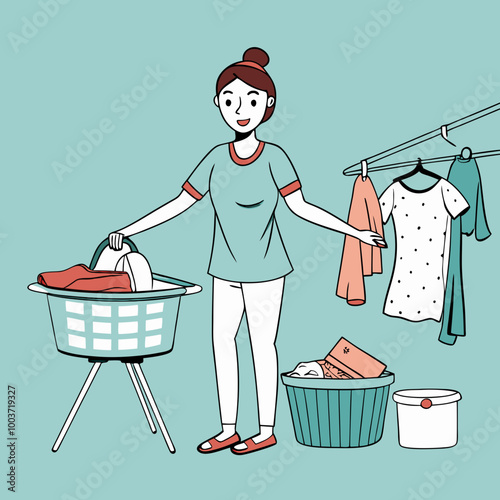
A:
(252, 74)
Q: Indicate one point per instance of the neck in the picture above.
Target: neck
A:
(241, 136)
(245, 144)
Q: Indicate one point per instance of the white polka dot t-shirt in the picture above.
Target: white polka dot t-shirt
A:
(422, 229)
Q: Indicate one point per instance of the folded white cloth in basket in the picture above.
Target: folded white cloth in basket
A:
(309, 369)
(133, 263)
(318, 369)
(138, 269)
(109, 258)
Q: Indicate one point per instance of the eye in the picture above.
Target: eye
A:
(228, 102)
(253, 102)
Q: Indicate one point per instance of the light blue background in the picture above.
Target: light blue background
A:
(331, 111)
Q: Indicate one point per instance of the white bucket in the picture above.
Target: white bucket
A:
(427, 418)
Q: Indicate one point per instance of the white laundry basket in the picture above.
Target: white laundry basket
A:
(427, 418)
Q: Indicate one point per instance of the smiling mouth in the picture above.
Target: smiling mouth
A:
(243, 122)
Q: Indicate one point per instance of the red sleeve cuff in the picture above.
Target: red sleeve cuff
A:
(192, 191)
(290, 188)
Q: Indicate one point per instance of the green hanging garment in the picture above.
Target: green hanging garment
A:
(464, 175)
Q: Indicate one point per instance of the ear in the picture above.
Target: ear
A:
(216, 100)
(270, 102)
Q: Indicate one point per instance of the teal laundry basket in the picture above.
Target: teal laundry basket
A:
(331, 413)
(119, 325)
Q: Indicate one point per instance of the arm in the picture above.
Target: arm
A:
(162, 214)
(300, 207)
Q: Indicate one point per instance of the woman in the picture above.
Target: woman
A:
(248, 261)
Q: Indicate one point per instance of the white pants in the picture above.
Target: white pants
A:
(262, 304)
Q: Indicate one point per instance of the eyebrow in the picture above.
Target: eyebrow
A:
(253, 92)
(227, 92)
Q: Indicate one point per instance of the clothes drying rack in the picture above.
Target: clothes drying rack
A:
(362, 167)
(125, 326)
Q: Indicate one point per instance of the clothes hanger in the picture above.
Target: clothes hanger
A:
(419, 169)
(466, 153)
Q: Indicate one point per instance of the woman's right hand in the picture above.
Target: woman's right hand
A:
(116, 240)
(371, 238)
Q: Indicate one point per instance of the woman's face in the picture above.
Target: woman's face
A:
(242, 106)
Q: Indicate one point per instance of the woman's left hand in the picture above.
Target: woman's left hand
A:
(371, 238)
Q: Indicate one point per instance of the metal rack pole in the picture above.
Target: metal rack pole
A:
(76, 405)
(152, 402)
(141, 397)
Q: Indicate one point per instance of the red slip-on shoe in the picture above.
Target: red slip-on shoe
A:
(219, 445)
(253, 446)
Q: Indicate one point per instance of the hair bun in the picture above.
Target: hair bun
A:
(256, 55)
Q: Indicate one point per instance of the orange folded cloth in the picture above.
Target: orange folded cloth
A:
(80, 277)
(348, 358)
(330, 371)
(344, 361)
(358, 258)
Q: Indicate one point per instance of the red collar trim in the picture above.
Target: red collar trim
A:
(245, 161)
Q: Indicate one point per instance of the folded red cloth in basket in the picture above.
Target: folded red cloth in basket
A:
(80, 277)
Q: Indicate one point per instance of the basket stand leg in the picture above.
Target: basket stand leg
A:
(141, 397)
(76, 405)
(152, 402)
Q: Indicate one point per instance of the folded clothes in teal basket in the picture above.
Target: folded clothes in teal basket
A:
(338, 413)
(344, 405)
